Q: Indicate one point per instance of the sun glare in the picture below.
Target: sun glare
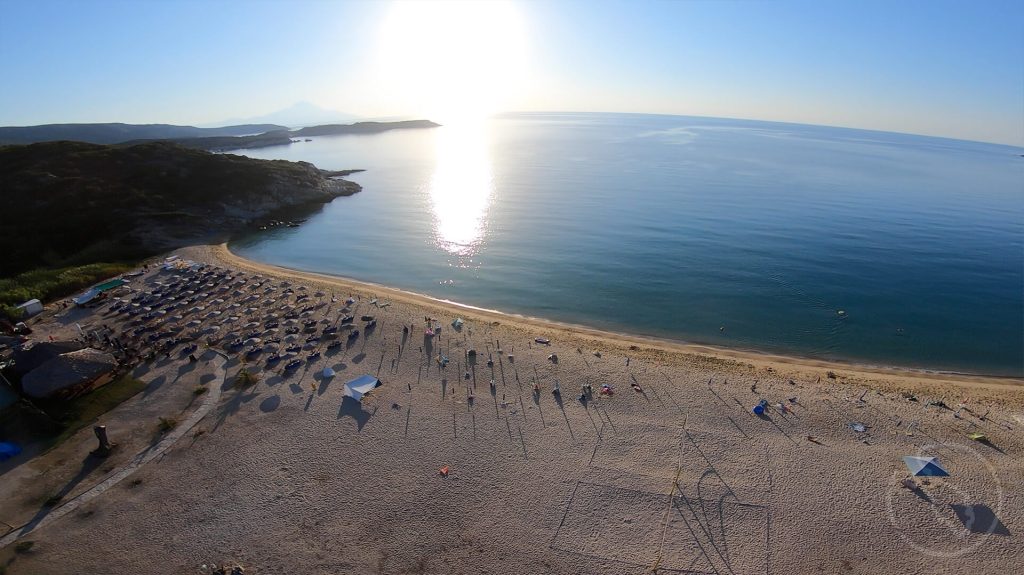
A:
(461, 191)
(452, 62)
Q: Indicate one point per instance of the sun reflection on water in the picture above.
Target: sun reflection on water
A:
(461, 190)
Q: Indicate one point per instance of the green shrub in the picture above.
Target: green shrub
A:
(51, 284)
(246, 378)
(167, 424)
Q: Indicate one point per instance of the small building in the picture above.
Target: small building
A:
(95, 291)
(31, 308)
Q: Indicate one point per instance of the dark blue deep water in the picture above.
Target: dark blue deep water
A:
(676, 226)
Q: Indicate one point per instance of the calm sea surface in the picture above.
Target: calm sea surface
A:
(677, 227)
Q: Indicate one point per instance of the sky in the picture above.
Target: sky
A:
(936, 67)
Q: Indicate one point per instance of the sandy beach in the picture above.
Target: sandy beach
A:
(478, 466)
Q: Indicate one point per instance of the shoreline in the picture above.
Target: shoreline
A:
(772, 362)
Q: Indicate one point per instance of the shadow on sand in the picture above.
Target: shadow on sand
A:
(354, 409)
(270, 404)
(89, 464)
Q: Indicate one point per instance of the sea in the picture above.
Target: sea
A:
(822, 242)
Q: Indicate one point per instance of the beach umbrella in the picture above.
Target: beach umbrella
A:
(924, 466)
(211, 329)
(291, 337)
(194, 323)
(328, 372)
(252, 341)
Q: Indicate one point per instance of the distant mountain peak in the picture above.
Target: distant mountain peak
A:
(300, 114)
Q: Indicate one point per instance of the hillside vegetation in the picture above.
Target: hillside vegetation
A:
(72, 203)
(113, 133)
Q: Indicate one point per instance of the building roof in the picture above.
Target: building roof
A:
(67, 371)
(27, 359)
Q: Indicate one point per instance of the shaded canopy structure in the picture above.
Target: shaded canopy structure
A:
(67, 373)
(360, 386)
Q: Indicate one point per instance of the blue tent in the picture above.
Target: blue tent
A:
(8, 450)
(924, 466)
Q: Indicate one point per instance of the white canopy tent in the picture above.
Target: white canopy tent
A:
(360, 386)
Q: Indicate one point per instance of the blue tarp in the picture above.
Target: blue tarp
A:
(8, 450)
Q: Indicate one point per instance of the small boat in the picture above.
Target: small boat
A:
(347, 319)
(293, 364)
(313, 356)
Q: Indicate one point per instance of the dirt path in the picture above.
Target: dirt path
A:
(143, 457)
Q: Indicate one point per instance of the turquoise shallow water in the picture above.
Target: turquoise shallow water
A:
(677, 226)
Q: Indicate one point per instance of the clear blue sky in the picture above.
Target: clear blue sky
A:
(943, 68)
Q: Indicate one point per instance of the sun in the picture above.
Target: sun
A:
(452, 61)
